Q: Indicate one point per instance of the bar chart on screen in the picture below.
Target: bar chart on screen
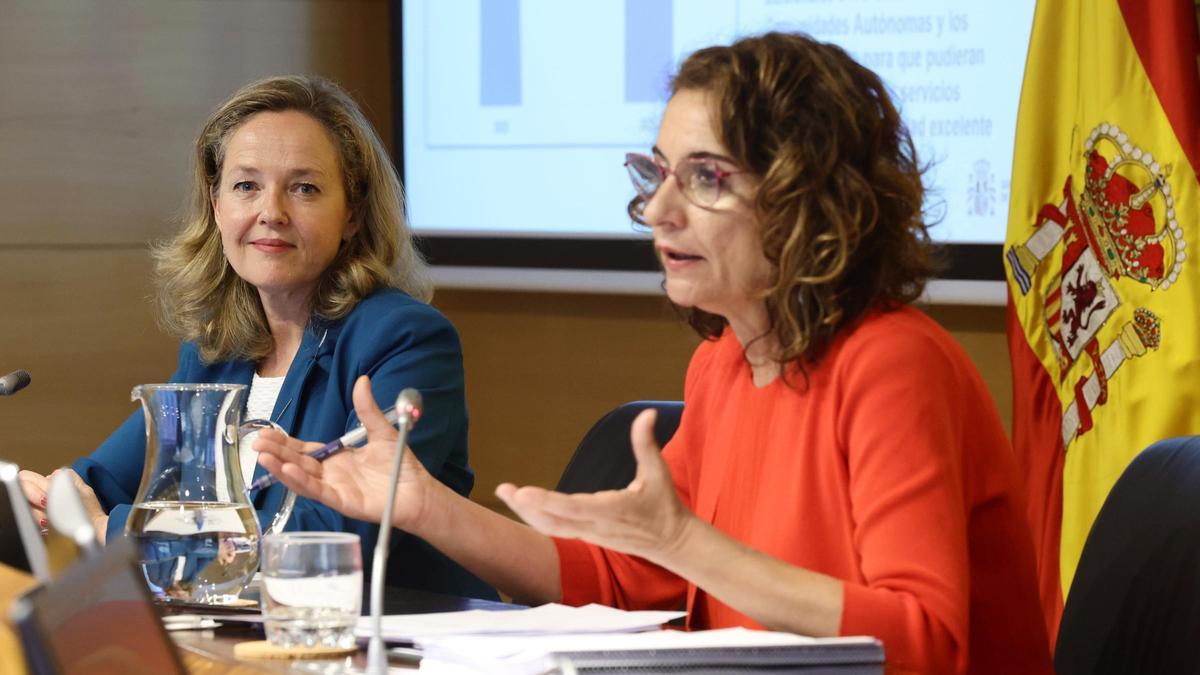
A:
(532, 77)
(513, 86)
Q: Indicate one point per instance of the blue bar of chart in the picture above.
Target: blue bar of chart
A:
(648, 50)
(500, 52)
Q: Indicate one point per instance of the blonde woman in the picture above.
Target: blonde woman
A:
(295, 273)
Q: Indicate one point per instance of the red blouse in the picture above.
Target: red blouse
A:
(890, 471)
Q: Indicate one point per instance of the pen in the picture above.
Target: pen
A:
(350, 439)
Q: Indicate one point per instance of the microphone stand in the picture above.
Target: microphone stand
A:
(408, 409)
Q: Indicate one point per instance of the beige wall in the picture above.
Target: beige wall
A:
(99, 101)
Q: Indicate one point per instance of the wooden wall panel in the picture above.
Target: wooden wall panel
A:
(100, 101)
(82, 323)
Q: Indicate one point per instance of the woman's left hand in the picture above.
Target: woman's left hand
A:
(646, 518)
(88, 496)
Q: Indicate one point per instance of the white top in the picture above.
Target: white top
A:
(260, 403)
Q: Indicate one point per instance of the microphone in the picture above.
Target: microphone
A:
(14, 382)
(408, 409)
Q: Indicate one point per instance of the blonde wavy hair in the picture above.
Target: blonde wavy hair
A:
(199, 295)
(839, 203)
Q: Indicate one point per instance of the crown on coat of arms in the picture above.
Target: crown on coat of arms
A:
(1117, 210)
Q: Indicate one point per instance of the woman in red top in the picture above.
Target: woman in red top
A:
(839, 468)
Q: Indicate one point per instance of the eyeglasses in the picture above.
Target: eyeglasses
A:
(700, 180)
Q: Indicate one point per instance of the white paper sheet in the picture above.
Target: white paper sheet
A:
(547, 619)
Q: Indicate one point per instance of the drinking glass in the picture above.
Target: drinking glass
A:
(311, 588)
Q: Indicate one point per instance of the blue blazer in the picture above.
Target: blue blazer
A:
(396, 340)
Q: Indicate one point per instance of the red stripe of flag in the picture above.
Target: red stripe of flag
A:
(1037, 441)
(1165, 36)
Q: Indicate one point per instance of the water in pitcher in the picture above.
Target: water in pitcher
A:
(195, 551)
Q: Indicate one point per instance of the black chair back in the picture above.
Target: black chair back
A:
(1134, 604)
(604, 459)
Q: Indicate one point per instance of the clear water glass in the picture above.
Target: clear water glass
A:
(311, 588)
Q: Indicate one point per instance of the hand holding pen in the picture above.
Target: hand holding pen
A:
(348, 440)
(356, 483)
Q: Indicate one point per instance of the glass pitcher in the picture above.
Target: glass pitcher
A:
(194, 529)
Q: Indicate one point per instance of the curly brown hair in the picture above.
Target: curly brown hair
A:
(839, 203)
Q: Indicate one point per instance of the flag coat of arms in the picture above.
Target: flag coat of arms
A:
(1101, 257)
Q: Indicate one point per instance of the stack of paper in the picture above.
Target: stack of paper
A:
(559, 639)
(547, 619)
(728, 650)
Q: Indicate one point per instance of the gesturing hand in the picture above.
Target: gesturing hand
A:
(646, 518)
(354, 482)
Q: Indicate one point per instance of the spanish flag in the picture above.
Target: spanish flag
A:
(1101, 257)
